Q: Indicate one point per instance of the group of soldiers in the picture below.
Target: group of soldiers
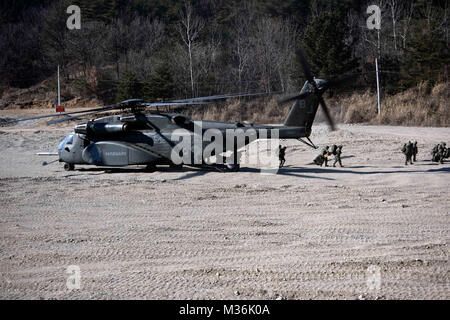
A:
(322, 158)
(410, 151)
(440, 152)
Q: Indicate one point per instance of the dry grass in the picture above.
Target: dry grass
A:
(419, 106)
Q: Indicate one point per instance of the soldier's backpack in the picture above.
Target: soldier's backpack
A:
(333, 149)
(319, 160)
(435, 157)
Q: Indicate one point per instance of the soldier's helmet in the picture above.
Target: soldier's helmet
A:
(340, 146)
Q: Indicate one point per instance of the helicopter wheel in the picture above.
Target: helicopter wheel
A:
(233, 167)
(150, 168)
(176, 166)
(69, 166)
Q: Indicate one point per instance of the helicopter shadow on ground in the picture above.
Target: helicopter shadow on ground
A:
(286, 171)
(97, 171)
(299, 172)
(349, 170)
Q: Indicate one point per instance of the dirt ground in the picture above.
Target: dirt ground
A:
(307, 232)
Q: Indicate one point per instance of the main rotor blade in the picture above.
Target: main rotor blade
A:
(166, 104)
(226, 96)
(57, 114)
(327, 113)
(296, 97)
(156, 104)
(305, 66)
(80, 115)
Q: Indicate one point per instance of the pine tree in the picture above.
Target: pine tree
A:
(160, 85)
(327, 46)
(129, 87)
(426, 58)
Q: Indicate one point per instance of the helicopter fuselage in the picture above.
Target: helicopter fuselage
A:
(162, 139)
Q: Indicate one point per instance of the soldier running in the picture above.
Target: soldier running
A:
(281, 154)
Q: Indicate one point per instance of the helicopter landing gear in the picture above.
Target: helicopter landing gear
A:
(69, 166)
(150, 168)
(235, 166)
(174, 166)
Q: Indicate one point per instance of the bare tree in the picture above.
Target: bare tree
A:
(395, 11)
(189, 29)
(134, 43)
(405, 23)
(241, 47)
(274, 45)
(207, 59)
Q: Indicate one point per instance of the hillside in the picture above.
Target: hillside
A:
(419, 106)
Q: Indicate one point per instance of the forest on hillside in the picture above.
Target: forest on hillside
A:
(161, 49)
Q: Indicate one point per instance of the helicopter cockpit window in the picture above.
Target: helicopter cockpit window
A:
(67, 140)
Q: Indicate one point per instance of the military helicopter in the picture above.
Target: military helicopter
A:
(137, 138)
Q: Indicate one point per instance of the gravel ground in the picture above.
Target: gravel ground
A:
(304, 233)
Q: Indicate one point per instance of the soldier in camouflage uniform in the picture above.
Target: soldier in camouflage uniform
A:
(325, 154)
(322, 157)
(442, 152)
(408, 152)
(415, 151)
(435, 154)
(337, 156)
(281, 154)
(318, 160)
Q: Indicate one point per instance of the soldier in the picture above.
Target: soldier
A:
(408, 152)
(325, 154)
(337, 156)
(415, 151)
(333, 149)
(442, 152)
(318, 160)
(435, 154)
(281, 154)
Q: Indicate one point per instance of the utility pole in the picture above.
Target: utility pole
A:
(374, 22)
(59, 107)
(59, 91)
(376, 69)
(378, 86)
